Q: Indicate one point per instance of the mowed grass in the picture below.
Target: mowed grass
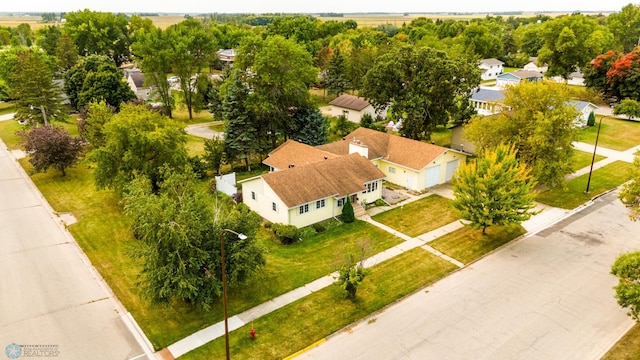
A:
(195, 145)
(7, 108)
(312, 318)
(9, 131)
(420, 216)
(627, 348)
(103, 233)
(467, 244)
(582, 159)
(181, 114)
(603, 179)
(615, 134)
(442, 136)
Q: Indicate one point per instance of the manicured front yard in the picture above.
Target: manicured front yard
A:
(420, 216)
(582, 159)
(615, 134)
(627, 348)
(322, 313)
(603, 179)
(467, 244)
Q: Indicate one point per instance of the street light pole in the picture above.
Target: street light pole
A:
(593, 158)
(224, 286)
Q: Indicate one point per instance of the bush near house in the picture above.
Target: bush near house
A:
(287, 234)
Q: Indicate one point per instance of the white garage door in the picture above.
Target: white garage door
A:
(452, 166)
(432, 176)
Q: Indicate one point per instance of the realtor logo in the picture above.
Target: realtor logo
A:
(13, 351)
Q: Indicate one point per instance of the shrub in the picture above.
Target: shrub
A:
(348, 216)
(307, 232)
(198, 166)
(287, 234)
(592, 119)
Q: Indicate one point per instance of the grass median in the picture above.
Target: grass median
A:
(324, 312)
(419, 217)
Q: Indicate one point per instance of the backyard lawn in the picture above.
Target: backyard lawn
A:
(603, 179)
(467, 244)
(419, 217)
(324, 312)
(615, 134)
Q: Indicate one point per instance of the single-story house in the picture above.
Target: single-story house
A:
(135, 79)
(574, 78)
(491, 68)
(227, 56)
(486, 101)
(413, 164)
(585, 108)
(515, 77)
(307, 194)
(353, 107)
(533, 66)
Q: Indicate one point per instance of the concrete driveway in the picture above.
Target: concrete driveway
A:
(202, 130)
(49, 292)
(548, 296)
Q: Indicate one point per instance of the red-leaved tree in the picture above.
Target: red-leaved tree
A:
(51, 146)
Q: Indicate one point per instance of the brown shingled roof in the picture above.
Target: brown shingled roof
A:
(402, 151)
(295, 153)
(350, 102)
(335, 177)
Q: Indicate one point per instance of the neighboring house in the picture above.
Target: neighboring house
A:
(293, 153)
(491, 68)
(353, 107)
(533, 66)
(486, 101)
(515, 77)
(585, 108)
(574, 78)
(413, 164)
(227, 56)
(307, 194)
(135, 79)
(459, 141)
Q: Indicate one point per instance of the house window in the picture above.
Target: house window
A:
(253, 195)
(303, 209)
(341, 202)
(274, 207)
(345, 113)
(371, 187)
(392, 170)
(320, 204)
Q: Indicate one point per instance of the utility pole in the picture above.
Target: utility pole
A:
(593, 158)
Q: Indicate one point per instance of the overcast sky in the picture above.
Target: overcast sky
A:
(308, 6)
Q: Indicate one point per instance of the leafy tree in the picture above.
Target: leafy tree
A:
(625, 26)
(479, 40)
(348, 216)
(67, 53)
(495, 189)
(4, 90)
(570, 42)
(595, 73)
(336, 77)
(627, 269)
(179, 233)
(241, 131)
(538, 120)
(342, 126)
(138, 142)
(192, 47)
(51, 146)
(91, 123)
(154, 54)
(95, 78)
(366, 121)
(424, 86)
(38, 98)
(303, 29)
(351, 271)
(630, 194)
(214, 154)
(628, 107)
(622, 76)
(47, 38)
(311, 127)
(528, 39)
(99, 33)
(22, 35)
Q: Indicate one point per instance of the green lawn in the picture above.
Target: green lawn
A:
(9, 128)
(420, 216)
(322, 313)
(442, 136)
(7, 108)
(615, 134)
(582, 159)
(467, 244)
(195, 145)
(217, 127)
(181, 114)
(627, 348)
(603, 179)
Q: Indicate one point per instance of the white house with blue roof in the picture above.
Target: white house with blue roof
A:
(585, 108)
(486, 101)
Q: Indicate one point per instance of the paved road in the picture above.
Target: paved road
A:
(548, 296)
(49, 293)
(202, 130)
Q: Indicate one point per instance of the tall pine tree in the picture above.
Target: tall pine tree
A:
(240, 132)
(336, 74)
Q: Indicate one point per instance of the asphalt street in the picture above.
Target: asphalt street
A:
(547, 296)
(52, 301)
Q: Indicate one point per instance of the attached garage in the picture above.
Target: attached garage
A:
(432, 176)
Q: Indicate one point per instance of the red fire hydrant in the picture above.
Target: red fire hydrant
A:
(252, 333)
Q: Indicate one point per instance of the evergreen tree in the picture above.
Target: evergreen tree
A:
(240, 131)
(494, 190)
(311, 127)
(348, 216)
(336, 74)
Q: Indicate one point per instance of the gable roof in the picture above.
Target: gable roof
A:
(350, 102)
(339, 177)
(483, 94)
(527, 74)
(491, 61)
(297, 154)
(137, 78)
(580, 105)
(399, 150)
